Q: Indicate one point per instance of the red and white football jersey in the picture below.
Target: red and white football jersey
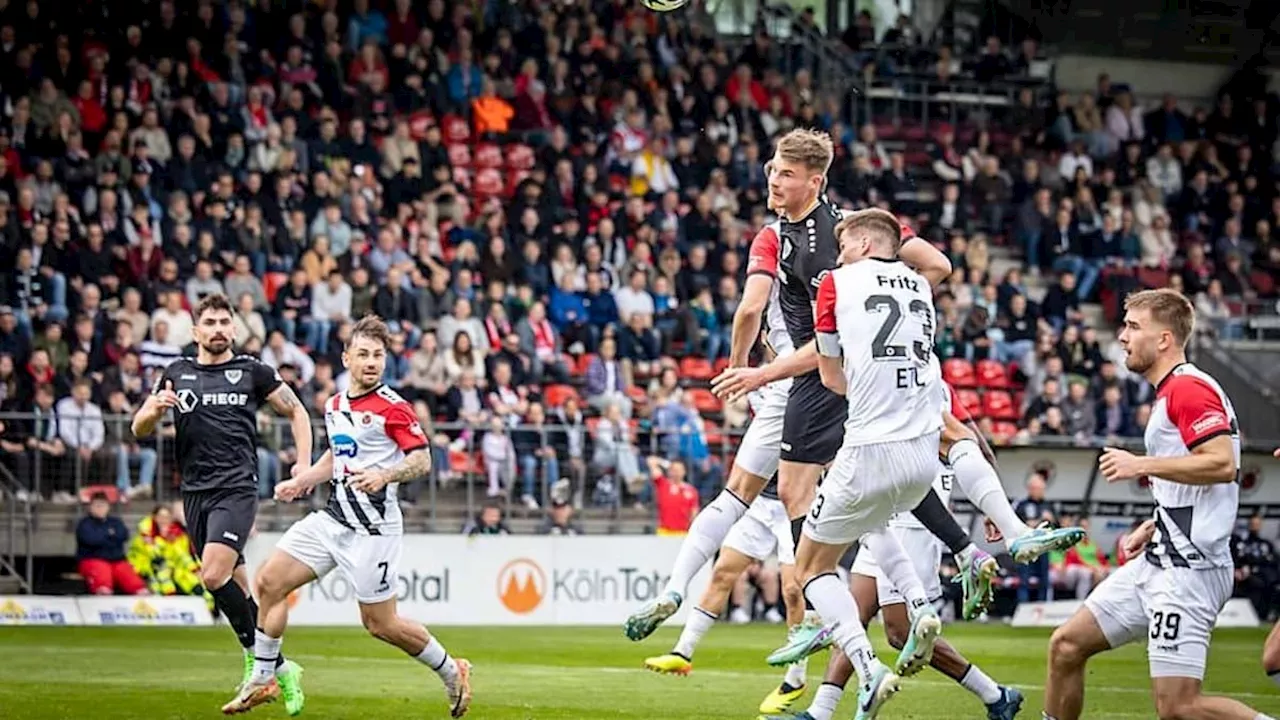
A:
(1193, 522)
(763, 260)
(878, 315)
(374, 430)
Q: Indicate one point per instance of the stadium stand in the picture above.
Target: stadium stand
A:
(553, 204)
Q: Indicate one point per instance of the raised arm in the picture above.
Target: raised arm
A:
(153, 409)
(762, 270)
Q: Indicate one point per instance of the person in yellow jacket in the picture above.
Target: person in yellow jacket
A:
(160, 553)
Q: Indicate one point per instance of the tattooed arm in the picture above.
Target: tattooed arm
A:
(285, 402)
(415, 465)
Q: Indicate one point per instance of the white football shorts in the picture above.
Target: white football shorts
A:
(371, 563)
(764, 530)
(758, 452)
(925, 552)
(1174, 609)
(867, 484)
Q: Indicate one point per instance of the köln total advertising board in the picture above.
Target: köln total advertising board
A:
(504, 580)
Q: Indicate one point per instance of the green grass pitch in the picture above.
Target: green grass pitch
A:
(537, 674)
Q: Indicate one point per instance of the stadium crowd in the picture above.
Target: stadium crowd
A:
(552, 205)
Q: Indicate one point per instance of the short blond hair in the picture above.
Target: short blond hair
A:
(1169, 308)
(811, 148)
(882, 224)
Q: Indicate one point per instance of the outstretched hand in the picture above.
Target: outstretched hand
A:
(735, 383)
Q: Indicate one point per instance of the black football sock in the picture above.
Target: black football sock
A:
(797, 528)
(240, 611)
(935, 517)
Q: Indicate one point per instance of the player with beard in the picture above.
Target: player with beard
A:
(375, 443)
(1171, 597)
(215, 398)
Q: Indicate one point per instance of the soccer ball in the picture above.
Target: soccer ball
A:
(664, 5)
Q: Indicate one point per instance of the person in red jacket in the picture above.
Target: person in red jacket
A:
(100, 544)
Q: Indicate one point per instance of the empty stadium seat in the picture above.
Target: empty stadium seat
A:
(704, 400)
(521, 157)
(959, 372)
(459, 155)
(696, 368)
(88, 491)
(455, 129)
(557, 395)
(971, 401)
(720, 366)
(488, 183)
(271, 284)
(998, 405)
(715, 435)
(487, 155)
(992, 375)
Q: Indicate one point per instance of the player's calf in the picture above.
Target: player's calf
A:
(1271, 655)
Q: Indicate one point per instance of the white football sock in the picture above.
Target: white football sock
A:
(825, 701)
(894, 562)
(266, 650)
(438, 659)
(697, 625)
(706, 534)
(980, 684)
(1263, 717)
(795, 673)
(980, 483)
(832, 600)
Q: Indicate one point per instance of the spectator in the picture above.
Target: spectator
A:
(488, 521)
(462, 321)
(160, 553)
(573, 423)
(1113, 420)
(559, 519)
(606, 381)
(80, 423)
(465, 402)
(540, 342)
(203, 283)
(1257, 569)
(463, 357)
(675, 500)
(615, 451)
(128, 450)
(1033, 509)
(249, 323)
(537, 455)
(1080, 568)
(1079, 413)
(427, 379)
(100, 552)
(499, 458)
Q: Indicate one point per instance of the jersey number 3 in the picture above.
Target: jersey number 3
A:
(881, 346)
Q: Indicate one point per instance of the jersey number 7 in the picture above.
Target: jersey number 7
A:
(881, 349)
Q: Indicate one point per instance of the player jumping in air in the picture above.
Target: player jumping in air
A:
(215, 398)
(1172, 596)
(874, 591)
(888, 457)
(375, 444)
(796, 251)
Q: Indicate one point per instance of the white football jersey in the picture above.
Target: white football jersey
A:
(878, 315)
(373, 430)
(1193, 522)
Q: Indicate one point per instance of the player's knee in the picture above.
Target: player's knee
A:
(1176, 705)
(1271, 657)
(269, 589)
(378, 626)
(213, 577)
(724, 577)
(896, 635)
(1066, 649)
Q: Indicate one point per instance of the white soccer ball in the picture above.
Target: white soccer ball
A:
(664, 5)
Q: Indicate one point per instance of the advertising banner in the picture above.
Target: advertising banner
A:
(1236, 613)
(505, 580)
(38, 610)
(124, 610)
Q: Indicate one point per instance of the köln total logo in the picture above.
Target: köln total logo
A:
(522, 585)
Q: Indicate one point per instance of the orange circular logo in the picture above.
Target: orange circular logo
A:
(521, 585)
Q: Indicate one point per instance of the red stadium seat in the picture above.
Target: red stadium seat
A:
(992, 374)
(521, 157)
(459, 155)
(462, 177)
(87, 492)
(584, 362)
(488, 183)
(1004, 431)
(456, 130)
(514, 178)
(637, 394)
(272, 283)
(557, 395)
(1153, 277)
(959, 372)
(465, 463)
(971, 401)
(1262, 283)
(592, 424)
(488, 155)
(418, 124)
(704, 401)
(696, 368)
(570, 363)
(997, 405)
(715, 435)
(720, 366)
